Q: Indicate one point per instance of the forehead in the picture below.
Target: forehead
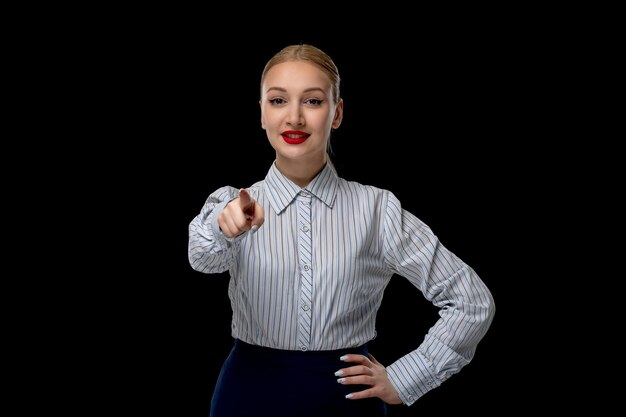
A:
(296, 75)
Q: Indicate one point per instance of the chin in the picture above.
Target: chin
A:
(293, 155)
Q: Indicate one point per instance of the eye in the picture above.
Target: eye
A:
(276, 101)
(314, 102)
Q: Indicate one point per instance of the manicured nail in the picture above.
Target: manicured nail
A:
(349, 396)
(338, 373)
(343, 358)
(341, 380)
(254, 228)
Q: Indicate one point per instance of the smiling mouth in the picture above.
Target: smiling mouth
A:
(294, 137)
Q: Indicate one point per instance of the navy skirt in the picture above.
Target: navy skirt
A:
(259, 381)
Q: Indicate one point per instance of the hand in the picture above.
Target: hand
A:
(369, 372)
(241, 214)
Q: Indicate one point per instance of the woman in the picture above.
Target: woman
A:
(310, 254)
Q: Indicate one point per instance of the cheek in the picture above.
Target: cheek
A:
(324, 122)
(269, 120)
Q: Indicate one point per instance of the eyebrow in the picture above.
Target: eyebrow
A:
(283, 90)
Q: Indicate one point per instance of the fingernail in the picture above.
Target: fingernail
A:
(254, 228)
(338, 373)
(341, 380)
(349, 396)
(343, 358)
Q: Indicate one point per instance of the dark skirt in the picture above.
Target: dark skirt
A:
(258, 381)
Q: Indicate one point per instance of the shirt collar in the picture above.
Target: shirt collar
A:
(282, 190)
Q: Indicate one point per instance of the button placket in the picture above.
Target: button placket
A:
(303, 201)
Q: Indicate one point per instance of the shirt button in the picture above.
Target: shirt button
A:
(305, 307)
(304, 348)
(306, 267)
(305, 229)
(411, 398)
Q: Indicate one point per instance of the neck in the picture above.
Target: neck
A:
(300, 172)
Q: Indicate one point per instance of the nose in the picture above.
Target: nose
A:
(295, 117)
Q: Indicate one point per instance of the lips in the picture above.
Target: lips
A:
(294, 137)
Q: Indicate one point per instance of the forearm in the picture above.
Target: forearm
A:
(206, 253)
(467, 310)
(209, 251)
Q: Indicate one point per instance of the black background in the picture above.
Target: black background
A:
(446, 120)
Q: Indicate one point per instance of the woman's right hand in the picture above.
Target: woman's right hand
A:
(241, 214)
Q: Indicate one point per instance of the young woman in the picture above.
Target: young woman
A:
(310, 255)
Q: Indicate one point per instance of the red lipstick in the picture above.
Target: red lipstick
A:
(294, 137)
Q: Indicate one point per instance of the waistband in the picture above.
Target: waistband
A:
(270, 352)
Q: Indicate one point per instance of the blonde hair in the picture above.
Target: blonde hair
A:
(309, 53)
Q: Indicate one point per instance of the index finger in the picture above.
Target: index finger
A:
(246, 202)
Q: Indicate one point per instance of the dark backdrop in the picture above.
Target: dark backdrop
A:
(442, 121)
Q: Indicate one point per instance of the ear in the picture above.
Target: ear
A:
(338, 114)
(262, 118)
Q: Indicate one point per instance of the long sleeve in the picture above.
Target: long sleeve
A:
(209, 250)
(466, 306)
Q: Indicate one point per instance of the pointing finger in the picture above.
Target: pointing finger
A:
(246, 203)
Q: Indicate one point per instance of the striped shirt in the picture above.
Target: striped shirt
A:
(312, 277)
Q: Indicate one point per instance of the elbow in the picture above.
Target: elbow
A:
(489, 309)
(196, 262)
(492, 305)
(203, 262)
(193, 263)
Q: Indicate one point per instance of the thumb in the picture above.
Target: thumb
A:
(246, 202)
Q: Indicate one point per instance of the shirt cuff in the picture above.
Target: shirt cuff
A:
(412, 377)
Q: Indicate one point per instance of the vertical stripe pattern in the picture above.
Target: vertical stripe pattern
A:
(313, 276)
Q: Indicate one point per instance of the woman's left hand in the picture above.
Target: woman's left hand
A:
(368, 372)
